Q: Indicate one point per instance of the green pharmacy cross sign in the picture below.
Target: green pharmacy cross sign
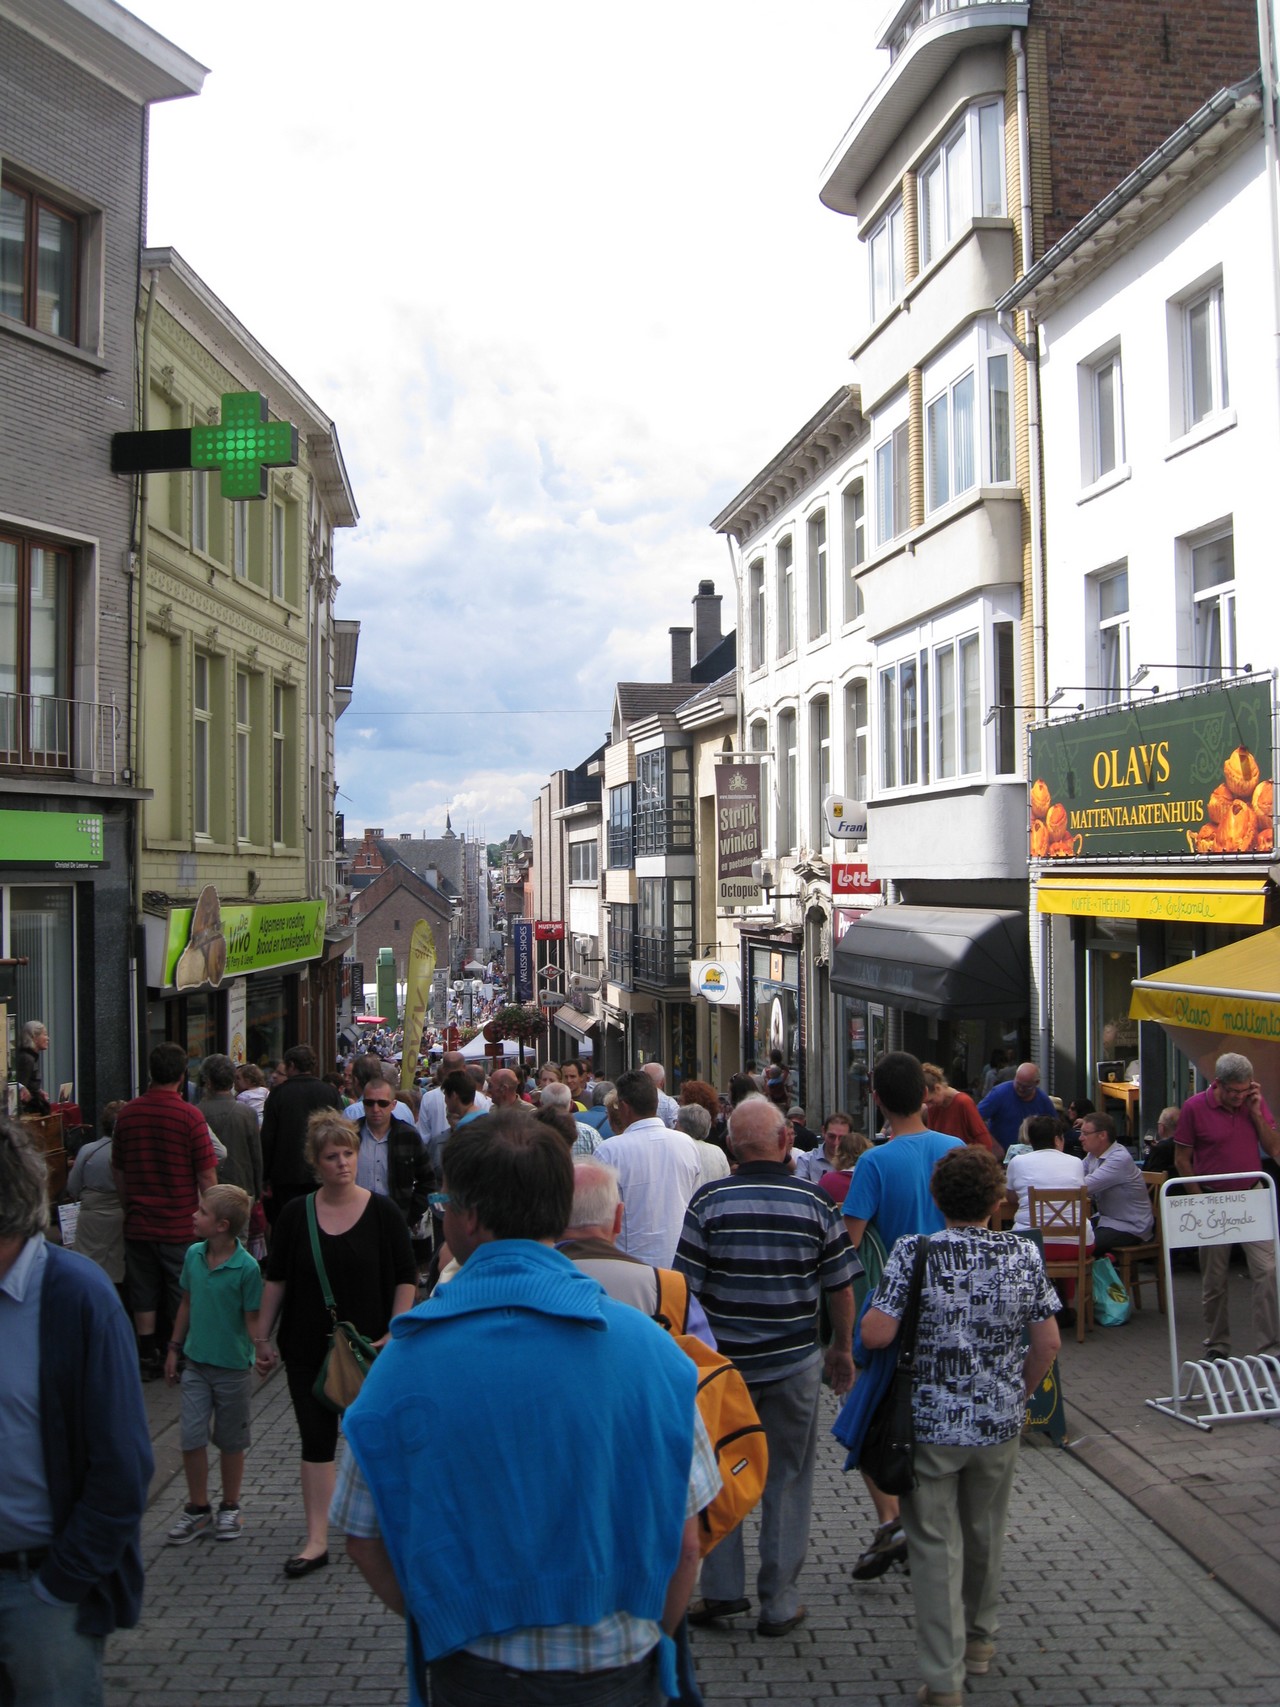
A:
(242, 447)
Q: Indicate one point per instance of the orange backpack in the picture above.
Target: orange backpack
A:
(724, 1403)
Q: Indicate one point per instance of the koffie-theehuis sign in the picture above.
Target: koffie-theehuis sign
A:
(1189, 777)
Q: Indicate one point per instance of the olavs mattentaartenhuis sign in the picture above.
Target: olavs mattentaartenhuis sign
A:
(1188, 777)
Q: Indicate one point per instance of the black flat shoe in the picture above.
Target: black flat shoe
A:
(302, 1567)
(710, 1611)
(783, 1626)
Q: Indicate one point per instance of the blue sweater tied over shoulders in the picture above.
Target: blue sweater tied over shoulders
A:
(528, 1444)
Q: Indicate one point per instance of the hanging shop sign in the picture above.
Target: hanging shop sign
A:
(737, 835)
(848, 878)
(548, 930)
(719, 981)
(1188, 777)
(846, 819)
(522, 943)
(207, 942)
(67, 841)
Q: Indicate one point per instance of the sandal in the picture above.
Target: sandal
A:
(888, 1547)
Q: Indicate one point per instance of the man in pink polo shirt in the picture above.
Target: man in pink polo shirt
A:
(1224, 1130)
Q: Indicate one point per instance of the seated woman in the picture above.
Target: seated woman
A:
(1115, 1183)
(1047, 1169)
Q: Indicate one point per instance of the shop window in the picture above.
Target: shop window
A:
(36, 722)
(37, 929)
(816, 531)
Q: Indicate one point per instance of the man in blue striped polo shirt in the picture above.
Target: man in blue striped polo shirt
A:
(759, 1249)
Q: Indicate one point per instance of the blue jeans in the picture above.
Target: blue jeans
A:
(44, 1661)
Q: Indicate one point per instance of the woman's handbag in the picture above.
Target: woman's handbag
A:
(889, 1448)
(350, 1355)
(1111, 1303)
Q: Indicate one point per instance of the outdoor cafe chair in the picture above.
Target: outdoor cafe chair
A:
(1128, 1257)
(1062, 1218)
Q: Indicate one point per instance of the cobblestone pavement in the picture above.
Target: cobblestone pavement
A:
(1102, 1606)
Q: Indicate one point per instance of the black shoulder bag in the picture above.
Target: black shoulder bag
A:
(889, 1448)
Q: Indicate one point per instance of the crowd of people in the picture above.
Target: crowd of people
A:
(239, 1227)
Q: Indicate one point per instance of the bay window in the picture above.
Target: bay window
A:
(664, 801)
(962, 179)
(885, 249)
(950, 464)
(893, 485)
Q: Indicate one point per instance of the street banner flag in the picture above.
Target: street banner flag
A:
(422, 963)
(737, 835)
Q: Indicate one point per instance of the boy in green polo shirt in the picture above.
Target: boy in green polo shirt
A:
(216, 1325)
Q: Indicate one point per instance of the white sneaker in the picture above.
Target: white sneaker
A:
(229, 1523)
(191, 1525)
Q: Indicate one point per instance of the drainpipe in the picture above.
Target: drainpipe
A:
(1039, 924)
(138, 970)
(1267, 55)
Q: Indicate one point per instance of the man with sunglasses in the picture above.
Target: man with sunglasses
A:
(393, 1160)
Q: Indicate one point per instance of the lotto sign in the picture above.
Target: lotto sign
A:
(852, 879)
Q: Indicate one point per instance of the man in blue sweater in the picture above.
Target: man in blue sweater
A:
(534, 1517)
(75, 1448)
(1006, 1106)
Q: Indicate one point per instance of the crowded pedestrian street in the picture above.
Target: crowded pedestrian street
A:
(1102, 1606)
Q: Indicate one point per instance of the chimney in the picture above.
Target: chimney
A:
(681, 670)
(706, 616)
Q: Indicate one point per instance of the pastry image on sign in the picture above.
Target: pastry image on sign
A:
(204, 959)
(1238, 811)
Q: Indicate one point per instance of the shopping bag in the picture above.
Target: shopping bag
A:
(1111, 1303)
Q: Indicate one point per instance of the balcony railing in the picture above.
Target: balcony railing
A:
(70, 737)
(923, 12)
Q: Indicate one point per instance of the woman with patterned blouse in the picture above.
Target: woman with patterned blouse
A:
(973, 1378)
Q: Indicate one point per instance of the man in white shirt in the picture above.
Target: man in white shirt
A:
(658, 1171)
(433, 1116)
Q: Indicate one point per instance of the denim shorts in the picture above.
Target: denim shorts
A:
(220, 1394)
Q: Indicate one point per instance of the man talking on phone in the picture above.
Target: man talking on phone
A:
(1226, 1130)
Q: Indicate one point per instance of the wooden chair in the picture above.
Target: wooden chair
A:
(1062, 1218)
(1127, 1257)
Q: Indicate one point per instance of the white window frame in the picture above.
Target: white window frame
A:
(279, 776)
(788, 781)
(999, 452)
(885, 245)
(1113, 666)
(1217, 600)
(200, 511)
(784, 560)
(1105, 398)
(893, 484)
(955, 169)
(1218, 399)
(279, 535)
(201, 743)
(857, 738)
(244, 745)
(853, 539)
(817, 556)
(819, 764)
(958, 709)
(758, 742)
(957, 477)
(756, 606)
(578, 860)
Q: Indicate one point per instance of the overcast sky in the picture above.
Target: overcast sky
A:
(560, 275)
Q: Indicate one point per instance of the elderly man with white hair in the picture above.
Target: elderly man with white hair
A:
(668, 1107)
(1226, 1130)
(760, 1248)
(560, 1097)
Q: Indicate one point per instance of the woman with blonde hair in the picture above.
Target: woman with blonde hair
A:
(951, 1111)
(368, 1259)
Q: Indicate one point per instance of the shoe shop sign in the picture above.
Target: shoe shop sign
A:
(1187, 777)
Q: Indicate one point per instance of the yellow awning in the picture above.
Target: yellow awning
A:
(1181, 898)
(1234, 991)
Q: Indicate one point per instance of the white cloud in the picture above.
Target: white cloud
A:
(561, 278)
